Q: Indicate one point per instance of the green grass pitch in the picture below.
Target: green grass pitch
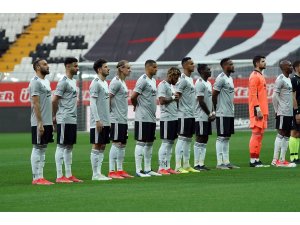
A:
(241, 190)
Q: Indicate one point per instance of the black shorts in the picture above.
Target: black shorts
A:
(284, 123)
(144, 131)
(66, 134)
(186, 127)
(46, 138)
(203, 128)
(118, 132)
(295, 125)
(168, 130)
(225, 126)
(100, 138)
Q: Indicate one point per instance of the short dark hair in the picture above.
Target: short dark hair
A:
(201, 67)
(223, 61)
(185, 59)
(36, 63)
(257, 58)
(70, 60)
(150, 62)
(98, 64)
(296, 64)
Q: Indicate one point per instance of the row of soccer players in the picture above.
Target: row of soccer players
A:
(179, 98)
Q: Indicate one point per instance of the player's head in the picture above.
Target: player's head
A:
(151, 67)
(204, 70)
(40, 66)
(100, 67)
(71, 65)
(188, 64)
(259, 62)
(124, 68)
(296, 66)
(227, 65)
(286, 66)
(173, 75)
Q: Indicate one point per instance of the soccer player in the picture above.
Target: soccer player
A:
(258, 109)
(283, 107)
(204, 115)
(143, 100)
(64, 105)
(222, 97)
(168, 119)
(41, 120)
(100, 117)
(186, 119)
(294, 142)
(118, 93)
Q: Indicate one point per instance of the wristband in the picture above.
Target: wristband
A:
(173, 97)
(258, 109)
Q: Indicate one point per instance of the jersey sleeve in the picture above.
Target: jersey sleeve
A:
(181, 85)
(94, 89)
(219, 83)
(114, 87)
(200, 89)
(35, 88)
(161, 90)
(140, 85)
(253, 91)
(278, 84)
(60, 88)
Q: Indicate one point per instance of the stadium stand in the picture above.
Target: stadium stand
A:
(127, 36)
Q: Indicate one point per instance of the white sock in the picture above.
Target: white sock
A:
(186, 152)
(219, 150)
(252, 160)
(42, 161)
(101, 157)
(59, 156)
(138, 154)
(226, 151)
(179, 151)
(68, 160)
(112, 157)
(169, 154)
(197, 150)
(162, 155)
(35, 161)
(120, 158)
(148, 156)
(202, 154)
(277, 146)
(284, 147)
(95, 158)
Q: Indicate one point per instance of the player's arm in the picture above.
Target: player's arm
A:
(55, 100)
(134, 97)
(253, 95)
(275, 97)
(139, 87)
(114, 88)
(94, 111)
(94, 93)
(37, 111)
(218, 85)
(166, 101)
(110, 98)
(215, 98)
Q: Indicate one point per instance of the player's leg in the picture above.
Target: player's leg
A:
(163, 149)
(38, 154)
(99, 141)
(149, 137)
